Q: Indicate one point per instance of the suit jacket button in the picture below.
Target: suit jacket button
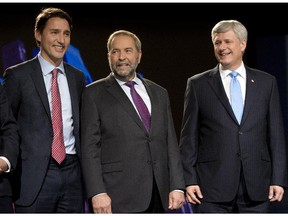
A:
(240, 133)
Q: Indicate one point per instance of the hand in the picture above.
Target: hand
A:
(101, 204)
(193, 193)
(176, 200)
(3, 166)
(275, 193)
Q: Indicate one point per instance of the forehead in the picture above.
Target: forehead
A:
(57, 23)
(122, 41)
(226, 35)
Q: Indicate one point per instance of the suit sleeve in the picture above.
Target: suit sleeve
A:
(11, 85)
(9, 144)
(277, 139)
(189, 135)
(91, 145)
(175, 165)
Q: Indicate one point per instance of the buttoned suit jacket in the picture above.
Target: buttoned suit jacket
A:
(9, 141)
(26, 90)
(214, 147)
(119, 157)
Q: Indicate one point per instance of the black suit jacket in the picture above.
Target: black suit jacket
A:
(119, 157)
(26, 90)
(9, 141)
(214, 146)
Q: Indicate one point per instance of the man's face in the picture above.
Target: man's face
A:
(123, 57)
(54, 40)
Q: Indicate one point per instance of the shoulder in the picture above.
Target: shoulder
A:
(260, 75)
(25, 65)
(100, 83)
(258, 72)
(21, 69)
(203, 76)
(152, 85)
(97, 83)
(71, 69)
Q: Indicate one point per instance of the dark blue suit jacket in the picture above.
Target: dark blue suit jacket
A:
(214, 146)
(26, 90)
(9, 141)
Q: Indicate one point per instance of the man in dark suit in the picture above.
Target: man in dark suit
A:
(127, 167)
(9, 149)
(45, 185)
(232, 165)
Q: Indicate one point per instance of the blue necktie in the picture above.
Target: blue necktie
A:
(140, 105)
(236, 96)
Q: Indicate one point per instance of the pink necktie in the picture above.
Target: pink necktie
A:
(58, 148)
(140, 105)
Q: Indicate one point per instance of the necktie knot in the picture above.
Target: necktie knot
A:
(130, 84)
(233, 74)
(55, 72)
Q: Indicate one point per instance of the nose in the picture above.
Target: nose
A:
(61, 38)
(122, 55)
(222, 46)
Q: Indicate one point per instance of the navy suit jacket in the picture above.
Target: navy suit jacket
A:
(9, 141)
(119, 156)
(214, 146)
(26, 90)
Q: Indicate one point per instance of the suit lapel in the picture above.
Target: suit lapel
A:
(217, 85)
(117, 92)
(73, 95)
(251, 93)
(37, 77)
(153, 102)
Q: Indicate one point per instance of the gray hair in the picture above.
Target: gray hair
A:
(226, 25)
(127, 33)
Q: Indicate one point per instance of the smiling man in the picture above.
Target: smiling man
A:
(234, 157)
(45, 97)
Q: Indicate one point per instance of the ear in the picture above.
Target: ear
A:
(243, 45)
(139, 56)
(37, 36)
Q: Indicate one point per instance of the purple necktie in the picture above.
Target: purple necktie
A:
(140, 105)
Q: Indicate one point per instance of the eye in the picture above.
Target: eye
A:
(114, 52)
(129, 50)
(68, 34)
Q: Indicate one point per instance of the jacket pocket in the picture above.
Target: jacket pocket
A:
(112, 167)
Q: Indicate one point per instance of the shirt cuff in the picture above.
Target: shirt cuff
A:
(179, 191)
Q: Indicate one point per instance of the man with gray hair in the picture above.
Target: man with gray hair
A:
(130, 154)
(232, 139)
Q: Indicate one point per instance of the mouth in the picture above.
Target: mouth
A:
(123, 65)
(59, 48)
(224, 54)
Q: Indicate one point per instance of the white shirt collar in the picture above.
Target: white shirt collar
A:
(241, 71)
(135, 79)
(47, 67)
